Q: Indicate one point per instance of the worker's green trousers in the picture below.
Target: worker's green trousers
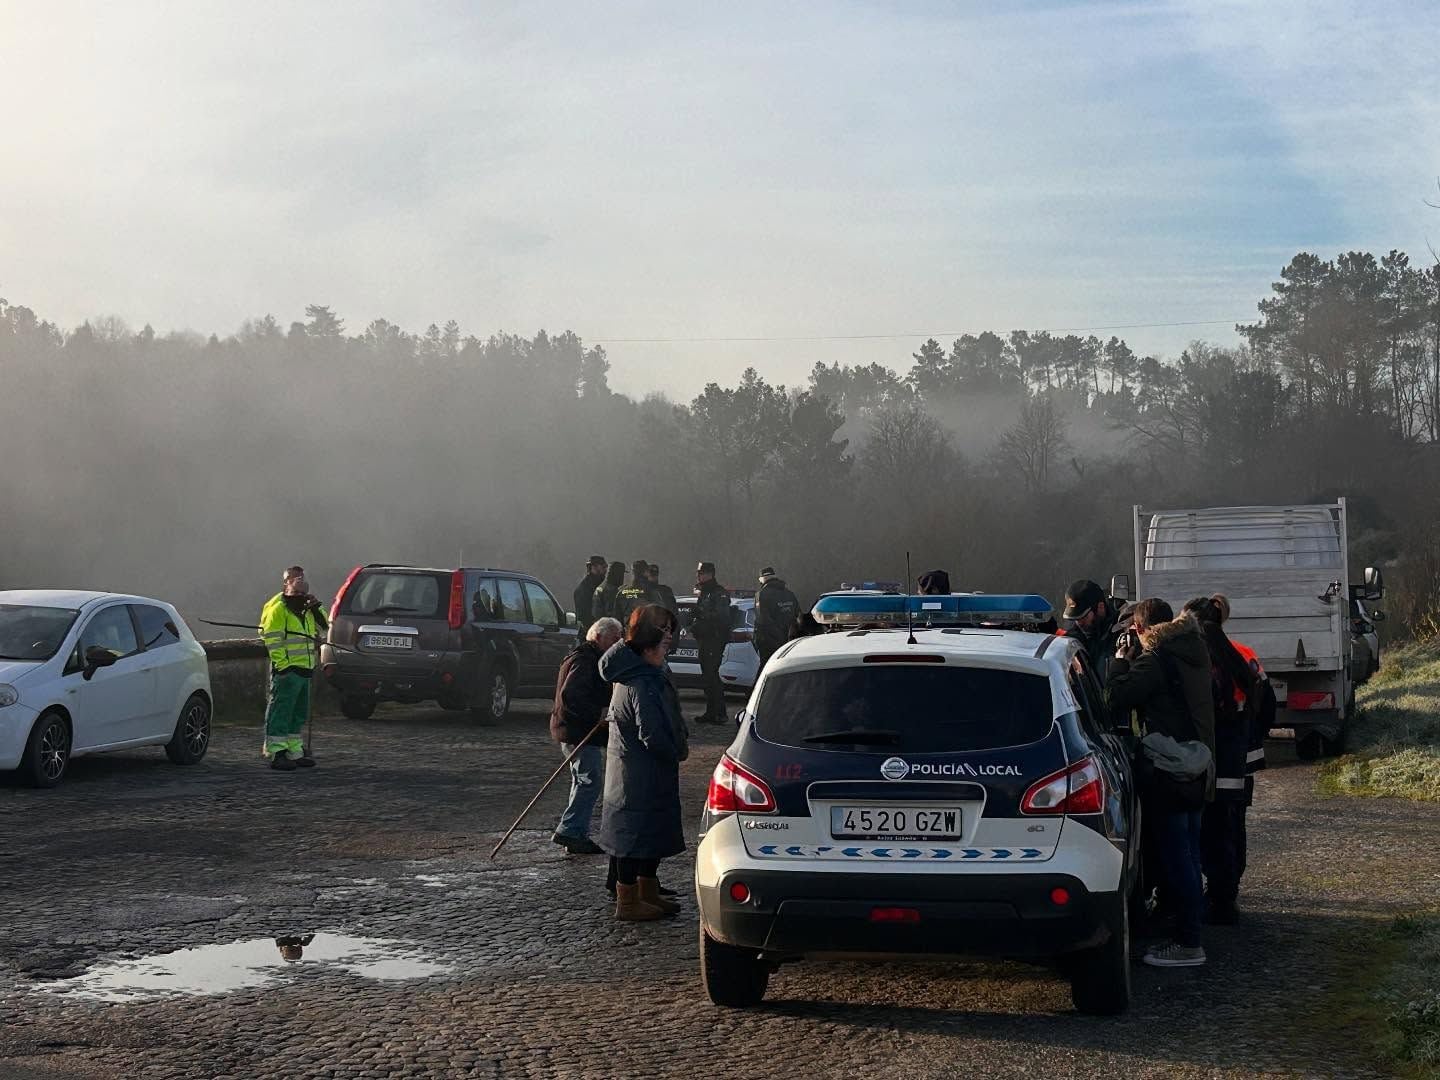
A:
(286, 711)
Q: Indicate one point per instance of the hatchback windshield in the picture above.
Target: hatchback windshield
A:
(32, 633)
(381, 592)
(919, 710)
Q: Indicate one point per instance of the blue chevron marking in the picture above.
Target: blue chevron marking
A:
(767, 849)
(1030, 853)
(880, 852)
(971, 853)
(1001, 853)
(911, 853)
(794, 850)
(940, 853)
(853, 852)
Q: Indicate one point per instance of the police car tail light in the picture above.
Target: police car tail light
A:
(457, 600)
(733, 788)
(1076, 789)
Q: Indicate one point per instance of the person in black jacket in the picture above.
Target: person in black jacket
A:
(664, 595)
(711, 626)
(1237, 691)
(1093, 619)
(607, 594)
(581, 699)
(776, 614)
(585, 593)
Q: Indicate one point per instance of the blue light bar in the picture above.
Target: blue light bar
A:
(1016, 611)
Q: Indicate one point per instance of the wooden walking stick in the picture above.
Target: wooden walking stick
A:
(543, 787)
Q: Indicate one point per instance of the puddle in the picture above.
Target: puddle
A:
(245, 965)
(433, 881)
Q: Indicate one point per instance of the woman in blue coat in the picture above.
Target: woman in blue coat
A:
(648, 740)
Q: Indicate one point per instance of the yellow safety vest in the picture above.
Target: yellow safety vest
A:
(290, 638)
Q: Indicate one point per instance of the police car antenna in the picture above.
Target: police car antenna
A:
(909, 612)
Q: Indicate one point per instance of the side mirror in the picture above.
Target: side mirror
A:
(1121, 588)
(95, 659)
(571, 621)
(1374, 583)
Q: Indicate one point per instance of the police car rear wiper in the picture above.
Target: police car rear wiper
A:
(874, 736)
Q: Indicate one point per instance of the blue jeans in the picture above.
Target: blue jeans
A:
(587, 777)
(1178, 838)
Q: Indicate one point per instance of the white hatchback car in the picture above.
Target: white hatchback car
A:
(84, 672)
(740, 664)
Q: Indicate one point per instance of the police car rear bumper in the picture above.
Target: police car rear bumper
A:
(792, 914)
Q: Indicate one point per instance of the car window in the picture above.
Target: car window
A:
(388, 592)
(1090, 719)
(512, 602)
(156, 628)
(112, 631)
(33, 633)
(904, 708)
(543, 609)
(485, 601)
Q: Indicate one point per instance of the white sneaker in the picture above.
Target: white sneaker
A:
(1175, 955)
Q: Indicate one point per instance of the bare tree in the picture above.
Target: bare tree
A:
(1033, 444)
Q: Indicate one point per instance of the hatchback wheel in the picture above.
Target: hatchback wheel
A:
(192, 732)
(47, 754)
(733, 977)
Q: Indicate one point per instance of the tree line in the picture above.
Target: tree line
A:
(179, 462)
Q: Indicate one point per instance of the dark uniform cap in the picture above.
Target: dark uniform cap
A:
(767, 572)
(1080, 597)
(595, 559)
(640, 566)
(705, 568)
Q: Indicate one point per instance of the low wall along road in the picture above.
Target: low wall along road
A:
(240, 678)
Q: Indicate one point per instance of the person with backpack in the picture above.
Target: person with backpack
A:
(1162, 669)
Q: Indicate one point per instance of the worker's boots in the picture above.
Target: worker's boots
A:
(630, 908)
(650, 894)
(281, 761)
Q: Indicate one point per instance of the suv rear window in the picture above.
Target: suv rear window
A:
(397, 592)
(903, 707)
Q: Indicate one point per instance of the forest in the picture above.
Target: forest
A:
(197, 467)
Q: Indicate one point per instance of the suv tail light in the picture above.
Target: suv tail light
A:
(340, 596)
(734, 788)
(457, 600)
(1075, 789)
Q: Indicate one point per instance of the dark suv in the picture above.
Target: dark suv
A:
(470, 638)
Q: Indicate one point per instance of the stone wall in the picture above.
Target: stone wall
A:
(239, 678)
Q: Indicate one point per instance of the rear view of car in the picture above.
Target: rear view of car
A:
(740, 664)
(953, 796)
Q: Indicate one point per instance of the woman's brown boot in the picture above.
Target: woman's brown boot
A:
(650, 894)
(629, 907)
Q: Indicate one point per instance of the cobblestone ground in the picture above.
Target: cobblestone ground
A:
(388, 839)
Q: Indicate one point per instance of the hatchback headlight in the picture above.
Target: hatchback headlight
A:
(8, 695)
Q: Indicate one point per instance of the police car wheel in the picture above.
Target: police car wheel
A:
(1100, 977)
(733, 977)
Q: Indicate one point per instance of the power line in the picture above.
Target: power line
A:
(894, 336)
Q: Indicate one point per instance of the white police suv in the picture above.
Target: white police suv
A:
(948, 790)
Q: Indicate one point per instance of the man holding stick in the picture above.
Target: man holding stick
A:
(290, 626)
(582, 698)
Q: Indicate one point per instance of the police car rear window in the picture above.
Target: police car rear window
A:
(920, 710)
(381, 592)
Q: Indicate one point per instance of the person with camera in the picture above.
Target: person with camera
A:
(1093, 618)
(1161, 669)
(290, 627)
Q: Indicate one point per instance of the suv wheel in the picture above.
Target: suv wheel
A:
(494, 697)
(357, 708)
(733, 977)
(1100, 977)
(47, 753)
(192, 732)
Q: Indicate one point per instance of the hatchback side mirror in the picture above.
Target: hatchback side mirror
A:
(1374, 583)
(95, 659)
(1120, 587)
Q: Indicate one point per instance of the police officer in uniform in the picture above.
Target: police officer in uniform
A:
(637, 594)
(711, 629)
(666, 594)
(776, 612)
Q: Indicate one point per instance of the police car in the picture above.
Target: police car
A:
(947, 789)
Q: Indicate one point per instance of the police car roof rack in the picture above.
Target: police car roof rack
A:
(857, 610)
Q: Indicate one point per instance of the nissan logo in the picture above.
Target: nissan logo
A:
(895, 769)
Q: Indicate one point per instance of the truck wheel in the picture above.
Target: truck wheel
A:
(735, 978)
(357, 708)
(1309, 745)
(1100, 977)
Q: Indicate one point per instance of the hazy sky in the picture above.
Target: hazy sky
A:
(749, 170)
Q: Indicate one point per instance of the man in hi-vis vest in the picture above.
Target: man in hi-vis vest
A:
(290, 626)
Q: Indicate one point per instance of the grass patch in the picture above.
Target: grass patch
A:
(1394, 739)
(1409, 996)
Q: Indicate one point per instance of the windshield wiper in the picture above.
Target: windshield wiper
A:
(872, 736)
